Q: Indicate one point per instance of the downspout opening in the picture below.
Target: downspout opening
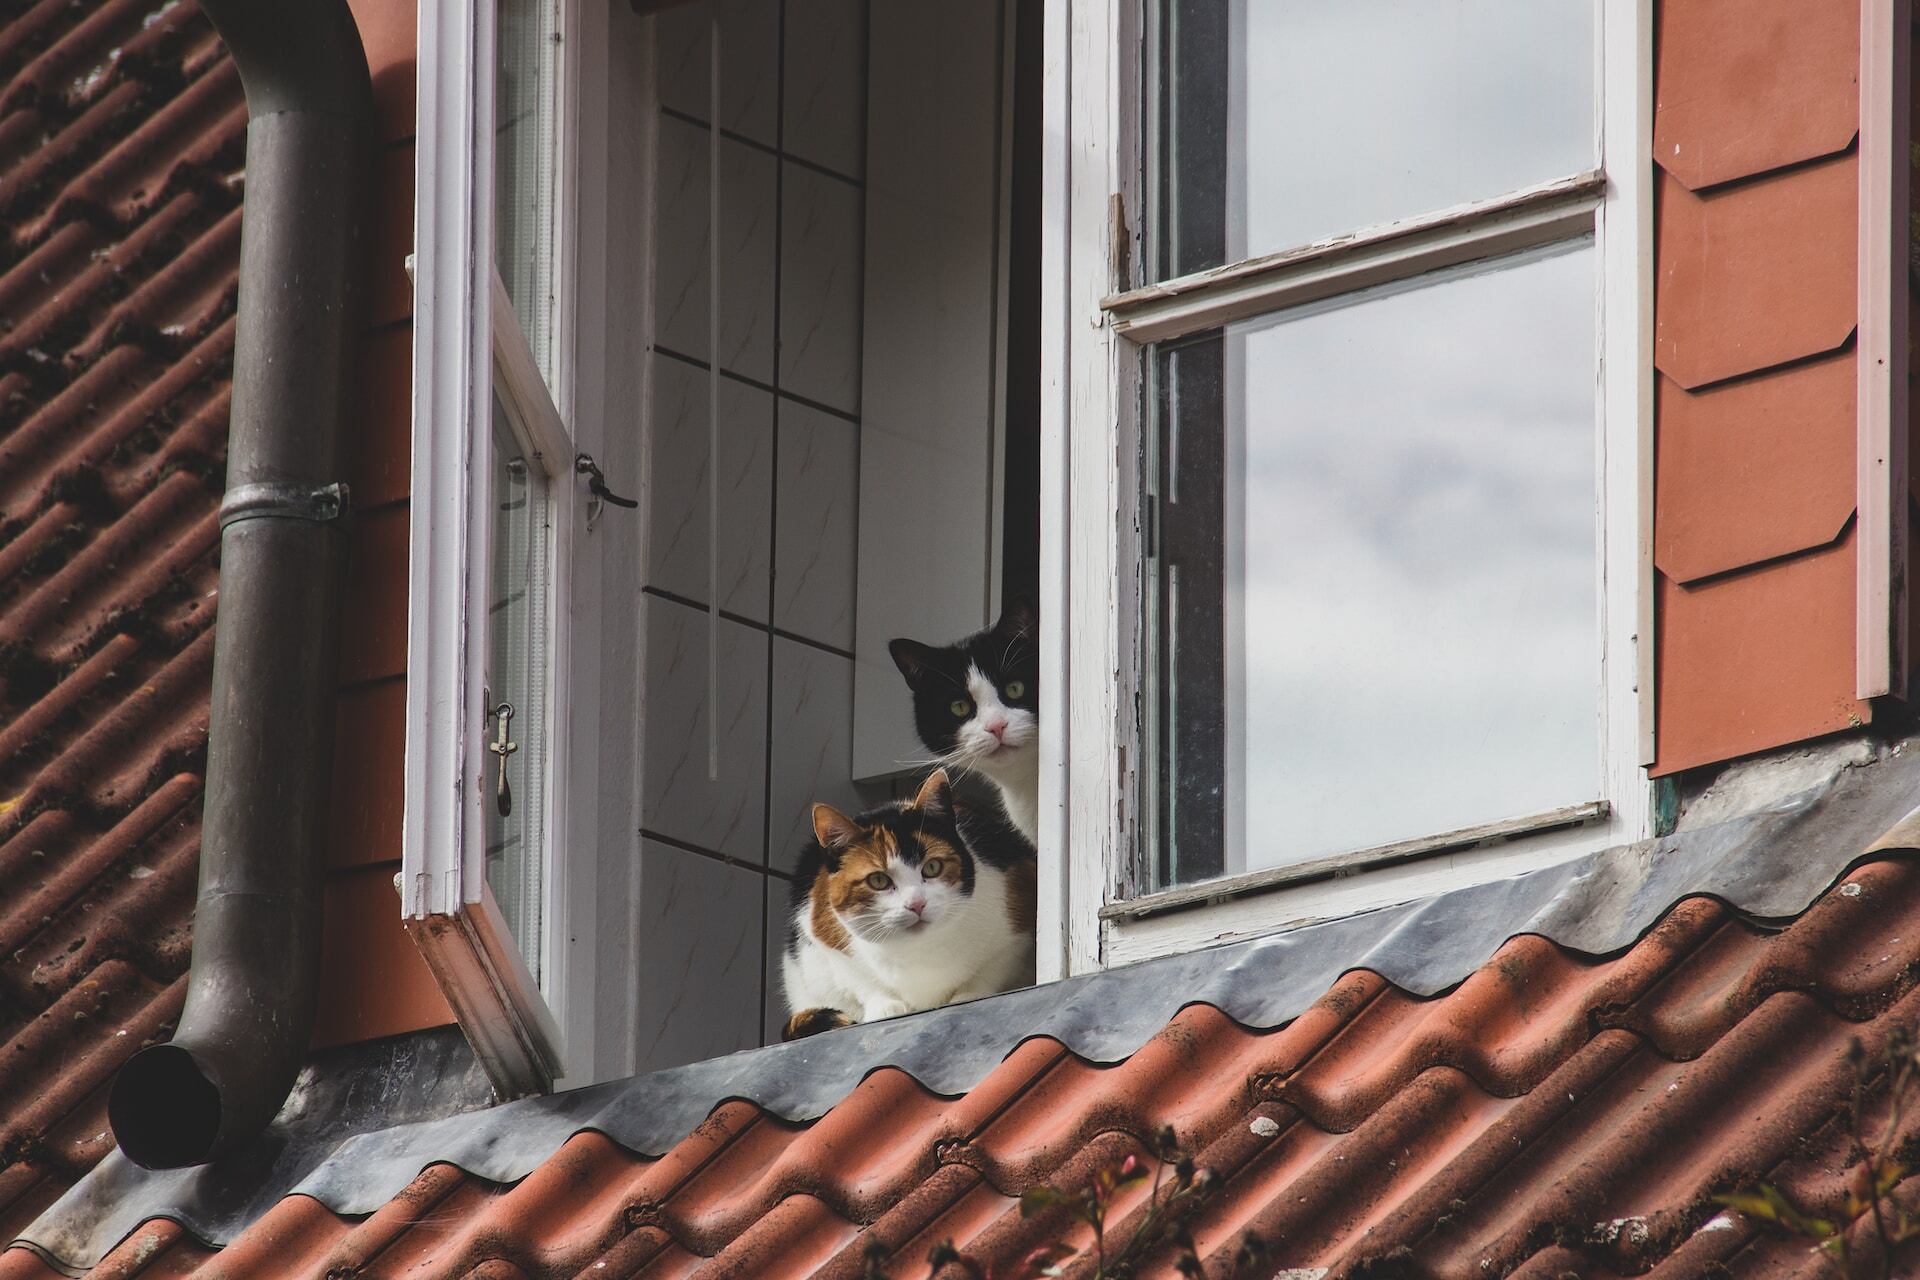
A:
(164, 1109)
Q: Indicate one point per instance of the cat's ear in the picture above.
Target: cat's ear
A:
(935, 799)
(913, 658)
(835, 831)
(1019, 617)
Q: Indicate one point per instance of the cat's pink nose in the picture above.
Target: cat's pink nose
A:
(917, 905)
(996, 726)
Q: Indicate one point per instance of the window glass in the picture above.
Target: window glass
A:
(1281, 122)
(517, 629)
(1375, 587)
(523, 158)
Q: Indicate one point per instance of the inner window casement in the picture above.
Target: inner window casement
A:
(498, 515)
(1378, 382)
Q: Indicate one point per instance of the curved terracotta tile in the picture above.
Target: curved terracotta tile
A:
(205, 118)
(789, 1243)
(87, 43)
(953, 1205)
(57, 611)
(25, 186)
(159, 1250)
(1603, 1166)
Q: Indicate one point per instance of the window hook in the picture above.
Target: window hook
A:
(583, 464)
(502, 747)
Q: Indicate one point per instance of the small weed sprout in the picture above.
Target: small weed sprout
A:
(1162, 1221)
(1880, 1168)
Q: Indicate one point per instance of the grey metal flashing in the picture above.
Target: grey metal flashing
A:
(1769, 865)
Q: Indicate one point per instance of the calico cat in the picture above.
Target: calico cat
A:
(976, 706)
(908, 906)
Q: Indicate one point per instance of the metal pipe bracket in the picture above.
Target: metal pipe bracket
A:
(284, 502)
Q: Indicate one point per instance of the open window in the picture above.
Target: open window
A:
(697, 244)
(847, 294)
(1373, 335)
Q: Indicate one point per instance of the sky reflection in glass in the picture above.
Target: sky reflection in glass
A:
(1412, 563)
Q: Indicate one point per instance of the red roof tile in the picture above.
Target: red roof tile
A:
(121, 139)
(1553, 1115)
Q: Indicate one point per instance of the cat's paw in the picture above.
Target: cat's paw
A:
(878, 1009)
(808, 1022)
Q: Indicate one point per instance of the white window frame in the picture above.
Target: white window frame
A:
(1094, 328)
(526, 1040)
(1881, 603)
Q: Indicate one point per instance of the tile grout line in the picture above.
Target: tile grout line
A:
(752, 624)
(748, 381)
(775, 151)
(713, 855)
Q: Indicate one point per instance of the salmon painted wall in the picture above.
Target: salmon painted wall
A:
(1755, 150)
(374, 982)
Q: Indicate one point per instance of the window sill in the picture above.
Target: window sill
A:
(1345, 864)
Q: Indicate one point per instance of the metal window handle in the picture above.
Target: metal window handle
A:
(503, 794)
(597, 481)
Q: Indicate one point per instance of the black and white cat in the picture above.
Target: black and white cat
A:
(908, 906)
(975, 706)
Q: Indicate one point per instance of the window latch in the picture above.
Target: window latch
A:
(503, 794)
(597, 481)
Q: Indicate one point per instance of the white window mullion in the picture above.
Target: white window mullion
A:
(1086, 480)
(1624, 232)
(1881, 397)
(451, 385)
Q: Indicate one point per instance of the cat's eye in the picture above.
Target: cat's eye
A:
(880, 880)
(960, 707)
(1016, 689)
(930, 869)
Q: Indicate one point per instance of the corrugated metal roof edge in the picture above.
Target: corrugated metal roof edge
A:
(1770, 864)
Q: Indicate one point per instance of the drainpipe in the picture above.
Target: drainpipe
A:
(254, 982)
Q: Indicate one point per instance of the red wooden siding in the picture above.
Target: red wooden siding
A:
(1756, 116)
(374, 981)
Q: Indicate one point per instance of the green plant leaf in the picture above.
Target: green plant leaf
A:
(1768, 1204)
(1039, 1200)
(1749, 1203)
(1890, 1175)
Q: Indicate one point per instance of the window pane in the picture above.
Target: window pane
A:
(1280, 122)
(517, 676)
(1377, 580)
(523, 158)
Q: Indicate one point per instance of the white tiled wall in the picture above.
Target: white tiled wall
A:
(677, 513)
(715, 853)
(816, 535)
